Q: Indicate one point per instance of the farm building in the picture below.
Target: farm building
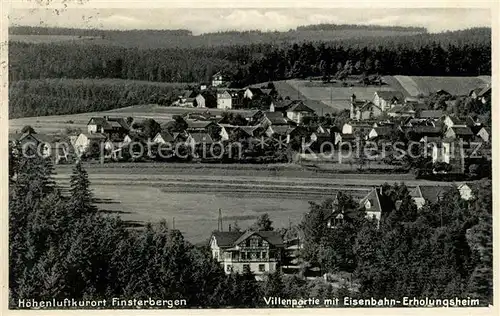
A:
(363, 109)
(379, 132)
(452, 120)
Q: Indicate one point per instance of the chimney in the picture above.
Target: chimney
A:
(106, 117)
(229, 227)
(353, 98)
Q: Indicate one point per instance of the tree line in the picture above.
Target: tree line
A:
(246, 64)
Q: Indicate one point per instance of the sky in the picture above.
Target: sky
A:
(266, 19)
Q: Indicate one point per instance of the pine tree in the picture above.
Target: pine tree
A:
(81, 196)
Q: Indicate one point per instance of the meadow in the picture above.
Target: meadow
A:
(57, 124)
(333, 95)
(194, 193)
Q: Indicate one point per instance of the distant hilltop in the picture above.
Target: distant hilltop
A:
(36, 30)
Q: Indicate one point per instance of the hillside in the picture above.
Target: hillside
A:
(152, 39)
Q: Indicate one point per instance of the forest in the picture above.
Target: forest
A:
(64, 247)
(461, 53)
(69, 96)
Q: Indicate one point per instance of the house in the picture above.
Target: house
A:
(199, 141)
(199, 101)
(163, 137)
(259, 251)
(452, 120)
(450, 152)
(199, 126)
(298, 111)
(344, 138)
(224, 100)
(217, 79)
(363, 109)
(33, 143)
(380, 132)
(485, 134)
(399, 110)
(114, 127)
(459, 132)
(466, 191)
(282, 106)
(386, 99)
(87, 140)
(425, 130)
(210, 98)
(354, 127)
(265, 119)
(431, 114)
(425, 193)
(250, 93)
(376, 203)
(282, 132)
(481, 94)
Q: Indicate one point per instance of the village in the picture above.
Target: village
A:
(274, 129)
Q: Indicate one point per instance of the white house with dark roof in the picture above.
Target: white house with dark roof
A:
(485, 134)
(385, 100)
(259, 251)
(375, 203)
(298, 111)
(422, 194)
(217, 79)
(224, 100)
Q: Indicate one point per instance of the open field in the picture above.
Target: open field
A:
(58, 123)
(333, 95)
(193, 194)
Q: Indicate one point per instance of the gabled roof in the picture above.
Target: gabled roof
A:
(426, 130)
(383, 131)
(281, 129)
(166, 136)
(276, 118)
(248, 129)
(379, 202)
(462, 130)
(389, 95)
(226, 239)
(100, 121)
(456, 120)
(431, 114)
(430, 193)
(94, 136)
(300, 107)
(192, 124)
(272, 237)
(255, 91)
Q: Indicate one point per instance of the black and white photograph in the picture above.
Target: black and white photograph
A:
(231, 157)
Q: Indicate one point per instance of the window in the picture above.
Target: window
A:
(243, 256)
(229, 268)
(257, 255)
(254, 242)
(264, 255)
(262, 267)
